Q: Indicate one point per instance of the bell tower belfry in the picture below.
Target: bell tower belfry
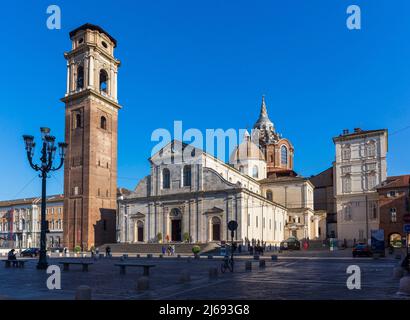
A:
(91, 118)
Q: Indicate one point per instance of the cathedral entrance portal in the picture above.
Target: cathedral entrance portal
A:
(140, 232)
(176, 225)
(176, 230)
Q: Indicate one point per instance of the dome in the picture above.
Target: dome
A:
(247, 150)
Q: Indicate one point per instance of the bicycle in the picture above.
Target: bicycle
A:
(227, 264)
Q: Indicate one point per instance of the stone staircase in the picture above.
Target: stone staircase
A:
(156, 248)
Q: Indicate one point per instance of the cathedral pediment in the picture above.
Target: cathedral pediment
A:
(214, 210)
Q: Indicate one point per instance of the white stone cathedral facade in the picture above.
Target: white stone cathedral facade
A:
(191, 196)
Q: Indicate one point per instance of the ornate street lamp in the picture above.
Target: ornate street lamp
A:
(47, 157)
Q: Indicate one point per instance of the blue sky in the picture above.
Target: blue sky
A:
(207, 63)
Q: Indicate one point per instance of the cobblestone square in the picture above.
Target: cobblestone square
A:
(293, 276)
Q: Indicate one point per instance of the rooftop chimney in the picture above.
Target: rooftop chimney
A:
(357, 130)
(345, 131)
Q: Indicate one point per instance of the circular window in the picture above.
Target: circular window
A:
(104, 44)
(81, 40)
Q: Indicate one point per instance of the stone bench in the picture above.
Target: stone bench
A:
(66, 264)
(123, 267)
(14, 263)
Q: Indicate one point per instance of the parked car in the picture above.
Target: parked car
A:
(361, 250)
(290, 244)
(55, 249)
(30, 252)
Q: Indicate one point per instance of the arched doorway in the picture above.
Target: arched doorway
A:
(395, 240)
(216, 229)
(140, 231)
(176, 225)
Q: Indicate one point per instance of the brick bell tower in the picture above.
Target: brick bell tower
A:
(91, 119)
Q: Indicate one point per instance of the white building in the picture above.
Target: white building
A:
(194, 200)
(191, 195)
(359, 167)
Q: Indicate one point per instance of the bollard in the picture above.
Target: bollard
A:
(149, 255)
(274, 257)
(138, 255)
(248, 266)
(184, 276)
(210, 257)
(213, 273)
(142, 284)
(404, 288)
(161, 255)
(398, 273)
(262, 264)
(83, 293)
(197, 256)
(178, 256)
(125, 256)
(256, 257)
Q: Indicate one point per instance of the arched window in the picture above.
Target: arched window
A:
(187, 176)
(269, 195)
(103, 81)
(80, 77)
(241, 169)
(284, 155)
(78, 120)
(255, 172)
(166, 179)
(103, 123)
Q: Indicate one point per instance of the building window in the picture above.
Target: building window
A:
(257, 222)
(255, 172)
(371, 181)
(370, 166)
(346, 153)
(80, 77)
(370, 149)
(241, 169)
(373, 210)
(249, 220)
(346, 184)
(103, 123)
(77, 123)
(187, 176)
(103, 81)
(269, 195)
(393, 215)
(270, 224)
(166, 179)
(392, 193)
(347, 213)
(346, 169)
(284, 155)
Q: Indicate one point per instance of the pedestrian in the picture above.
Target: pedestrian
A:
(163, 250)
(11, 255)
(97, 251)
(107, 251)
